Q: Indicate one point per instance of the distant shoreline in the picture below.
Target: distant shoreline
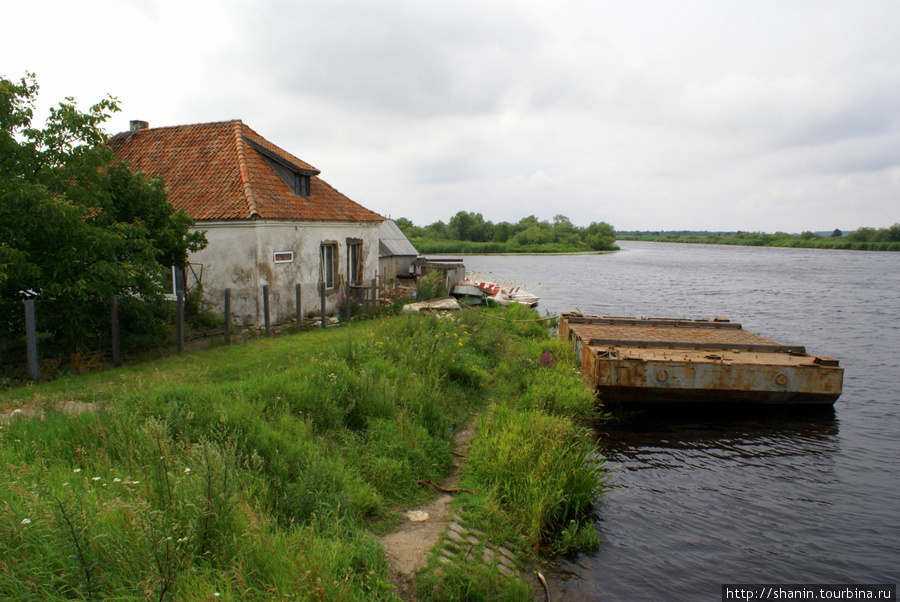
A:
(770, 240)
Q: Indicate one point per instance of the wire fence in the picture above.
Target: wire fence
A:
(48, 337)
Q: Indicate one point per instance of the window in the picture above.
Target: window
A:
(354, 262)
(301, 184)
(284, 256)
(328, 264)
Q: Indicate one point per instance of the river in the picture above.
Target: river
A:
(769, 496)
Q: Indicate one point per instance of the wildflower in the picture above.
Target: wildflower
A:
(76, 470)
(117, 480)
(187, 470)
(26, 521)
(96, 478)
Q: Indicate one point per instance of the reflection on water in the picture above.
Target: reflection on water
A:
(706, 497)
(696, 486)
(730, 434)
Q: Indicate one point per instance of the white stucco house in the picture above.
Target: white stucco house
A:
(268, 216)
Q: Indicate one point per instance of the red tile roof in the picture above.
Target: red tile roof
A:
(218, 171)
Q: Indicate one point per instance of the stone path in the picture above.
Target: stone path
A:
(407, 548)
(460, 543)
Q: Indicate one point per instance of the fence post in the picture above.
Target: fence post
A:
(374, 295)
(322, 303)
(266, 310)
(228, 316)
(349, 300)
(179, 320)
(299, 312)
(34, 372)
(114, 324)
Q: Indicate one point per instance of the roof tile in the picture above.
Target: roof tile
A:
(217, 171)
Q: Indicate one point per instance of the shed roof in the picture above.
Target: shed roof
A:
(223, 171)
(394, 241)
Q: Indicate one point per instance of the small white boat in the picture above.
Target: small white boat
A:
(503, 294)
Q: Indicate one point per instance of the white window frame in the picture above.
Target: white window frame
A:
(286, 257)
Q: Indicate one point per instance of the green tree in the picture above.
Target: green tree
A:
(863, 235)
(502, 232)
(76, 228)
(470, 226)
(408, 228)
(437, 231)
(837, 233)
(600, 236)
(894, 233)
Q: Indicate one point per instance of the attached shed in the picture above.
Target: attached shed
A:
(397, 255)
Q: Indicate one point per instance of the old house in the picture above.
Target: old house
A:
(268, 216)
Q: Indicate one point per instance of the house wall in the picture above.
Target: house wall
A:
(391, 266)
(240, 256)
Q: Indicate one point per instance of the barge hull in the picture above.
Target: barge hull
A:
(668, 361)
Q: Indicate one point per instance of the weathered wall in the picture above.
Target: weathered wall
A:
(240, 256)
(390, 267)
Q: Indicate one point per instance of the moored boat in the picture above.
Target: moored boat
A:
(502, 293)
(651, 360)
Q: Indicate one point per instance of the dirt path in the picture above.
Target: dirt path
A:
(407, 548)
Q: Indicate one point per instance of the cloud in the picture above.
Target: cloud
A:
(409, 58)
(647, 114)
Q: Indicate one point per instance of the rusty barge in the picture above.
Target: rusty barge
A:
(646, 360)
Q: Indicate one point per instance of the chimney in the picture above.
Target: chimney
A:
(137, 125)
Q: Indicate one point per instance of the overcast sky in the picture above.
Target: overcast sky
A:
(649, 115)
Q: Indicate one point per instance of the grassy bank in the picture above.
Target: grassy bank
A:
(263, 470)
(758, 239)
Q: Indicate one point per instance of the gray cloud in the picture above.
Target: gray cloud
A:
(414, 59)
(646, 114)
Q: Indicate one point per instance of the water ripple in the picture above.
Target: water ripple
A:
(775, 497)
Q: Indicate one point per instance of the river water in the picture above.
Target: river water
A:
(767, 496)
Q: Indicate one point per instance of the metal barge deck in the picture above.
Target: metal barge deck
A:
(648, 360)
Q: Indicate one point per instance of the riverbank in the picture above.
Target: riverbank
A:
(779, 239)
(272, 467)
(466, 247)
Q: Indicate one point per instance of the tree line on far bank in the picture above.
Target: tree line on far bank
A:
(468, 232)
(862, 239)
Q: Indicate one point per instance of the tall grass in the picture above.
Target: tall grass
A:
(540, 472)
(259, 470)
